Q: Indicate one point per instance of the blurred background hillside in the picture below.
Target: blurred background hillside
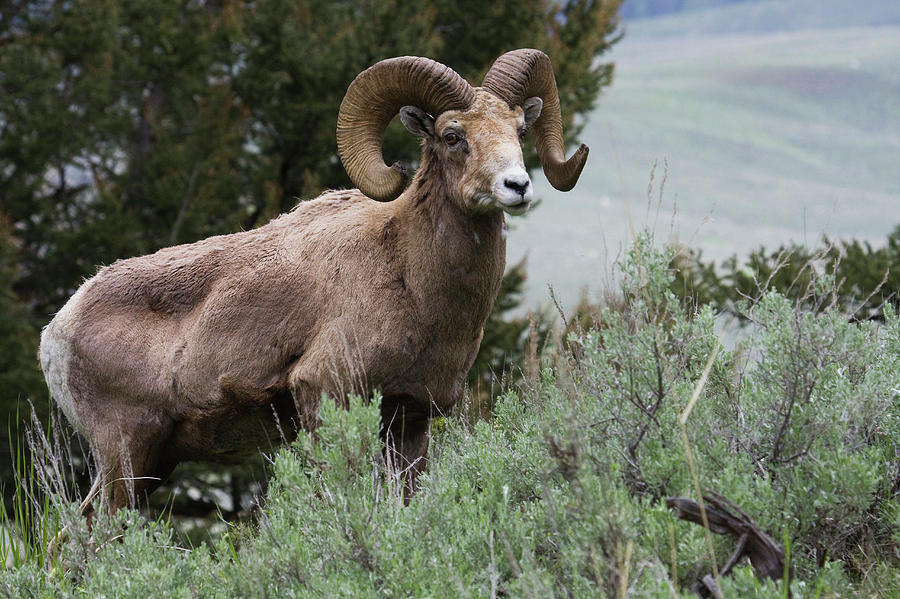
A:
(779, 121)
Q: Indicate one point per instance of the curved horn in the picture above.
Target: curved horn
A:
(524, 73)
(374, 98)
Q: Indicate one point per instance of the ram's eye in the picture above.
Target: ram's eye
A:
(521, 135)
(451, 138)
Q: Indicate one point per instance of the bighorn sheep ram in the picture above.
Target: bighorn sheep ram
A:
(198, 351)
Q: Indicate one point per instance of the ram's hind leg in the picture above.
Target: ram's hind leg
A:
(406, 431)
(133, 451)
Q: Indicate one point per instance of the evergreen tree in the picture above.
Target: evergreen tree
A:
(865, 278)
(127, 127)
(20, 378)
(120, 134)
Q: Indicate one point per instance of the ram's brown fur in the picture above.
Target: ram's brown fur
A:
(210, 350)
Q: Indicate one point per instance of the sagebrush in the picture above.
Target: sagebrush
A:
(561, 490)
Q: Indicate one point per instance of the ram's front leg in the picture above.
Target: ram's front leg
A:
(405, 428)
(307, 397)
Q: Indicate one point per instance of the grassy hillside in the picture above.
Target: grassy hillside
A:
(636, 9)
(779, 123)
(562, 490)
(766, 16)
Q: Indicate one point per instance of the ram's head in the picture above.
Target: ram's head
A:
(473, 136)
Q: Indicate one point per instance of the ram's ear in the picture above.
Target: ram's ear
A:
(417, 121)
(532, 108)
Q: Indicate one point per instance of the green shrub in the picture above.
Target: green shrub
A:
(866, 278)
(561, 490)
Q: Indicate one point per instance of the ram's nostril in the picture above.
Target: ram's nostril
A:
(519, 186)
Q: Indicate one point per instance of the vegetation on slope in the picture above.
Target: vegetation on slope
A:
(866, 279)
(561, 491)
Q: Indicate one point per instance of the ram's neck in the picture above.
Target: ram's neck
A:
(454, 260)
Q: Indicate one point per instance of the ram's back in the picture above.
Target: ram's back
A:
(183, 326)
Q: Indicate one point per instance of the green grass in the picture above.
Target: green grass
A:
(561, 490)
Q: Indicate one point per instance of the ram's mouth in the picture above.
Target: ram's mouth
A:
(516, 208)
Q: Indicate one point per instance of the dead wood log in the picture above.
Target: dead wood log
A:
(724, 517)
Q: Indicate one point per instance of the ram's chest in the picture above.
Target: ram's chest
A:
(430, 357)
